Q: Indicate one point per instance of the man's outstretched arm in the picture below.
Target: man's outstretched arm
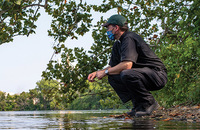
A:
(112, 70)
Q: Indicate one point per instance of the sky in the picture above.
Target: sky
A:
(23, 60)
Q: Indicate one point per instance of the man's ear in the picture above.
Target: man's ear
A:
(117, 28)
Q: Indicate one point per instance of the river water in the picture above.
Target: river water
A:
(82, 120)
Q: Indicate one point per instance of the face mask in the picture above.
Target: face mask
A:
(111, 36)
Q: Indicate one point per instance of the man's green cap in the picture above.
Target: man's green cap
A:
(115, 20)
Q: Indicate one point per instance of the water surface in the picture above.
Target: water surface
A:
(82, 120)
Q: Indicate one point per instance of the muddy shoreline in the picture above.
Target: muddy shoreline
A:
(178, 113)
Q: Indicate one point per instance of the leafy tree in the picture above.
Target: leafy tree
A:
(44, 97)
(18, 17)
(10, 104)
(2, 101)
(22, 101)
(90, 99)
(46, 92)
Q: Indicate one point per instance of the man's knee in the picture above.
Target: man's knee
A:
(124, 75)
(129, 75)
(114, 79)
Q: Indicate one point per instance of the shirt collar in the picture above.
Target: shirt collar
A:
(122, 36)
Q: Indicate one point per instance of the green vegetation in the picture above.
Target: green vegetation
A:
(43, 97)
(46, 96)
(171, 28)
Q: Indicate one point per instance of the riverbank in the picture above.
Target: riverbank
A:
(177, 113)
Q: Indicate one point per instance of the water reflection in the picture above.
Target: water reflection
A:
(141, 124)
(82, 120)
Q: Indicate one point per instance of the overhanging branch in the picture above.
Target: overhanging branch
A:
(34, 5)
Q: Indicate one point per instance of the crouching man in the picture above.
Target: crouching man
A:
(134, 70)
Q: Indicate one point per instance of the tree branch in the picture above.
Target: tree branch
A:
(45, 6)
(34, 5)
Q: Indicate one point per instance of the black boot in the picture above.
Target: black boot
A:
(132, 112)
(146, 110)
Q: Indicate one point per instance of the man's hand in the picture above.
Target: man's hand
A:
(98, 74)
(92, 76)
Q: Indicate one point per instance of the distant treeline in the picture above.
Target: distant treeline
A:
(47, 96)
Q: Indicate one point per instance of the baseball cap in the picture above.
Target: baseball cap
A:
(115, 20)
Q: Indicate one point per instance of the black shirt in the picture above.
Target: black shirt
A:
(131, 47)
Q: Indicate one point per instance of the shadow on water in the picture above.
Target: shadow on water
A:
(140, 124)
(82, 120)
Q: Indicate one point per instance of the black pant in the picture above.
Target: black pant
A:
(134, 84)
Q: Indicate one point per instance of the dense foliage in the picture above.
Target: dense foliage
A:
(171, 28)
(43, 97)
(46, 96)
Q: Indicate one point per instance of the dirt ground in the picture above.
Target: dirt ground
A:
(177, 113)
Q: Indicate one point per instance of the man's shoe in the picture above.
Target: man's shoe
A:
(131, 113)
(133, 110)
(147, 111)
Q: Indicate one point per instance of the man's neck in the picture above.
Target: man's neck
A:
(119, 35)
